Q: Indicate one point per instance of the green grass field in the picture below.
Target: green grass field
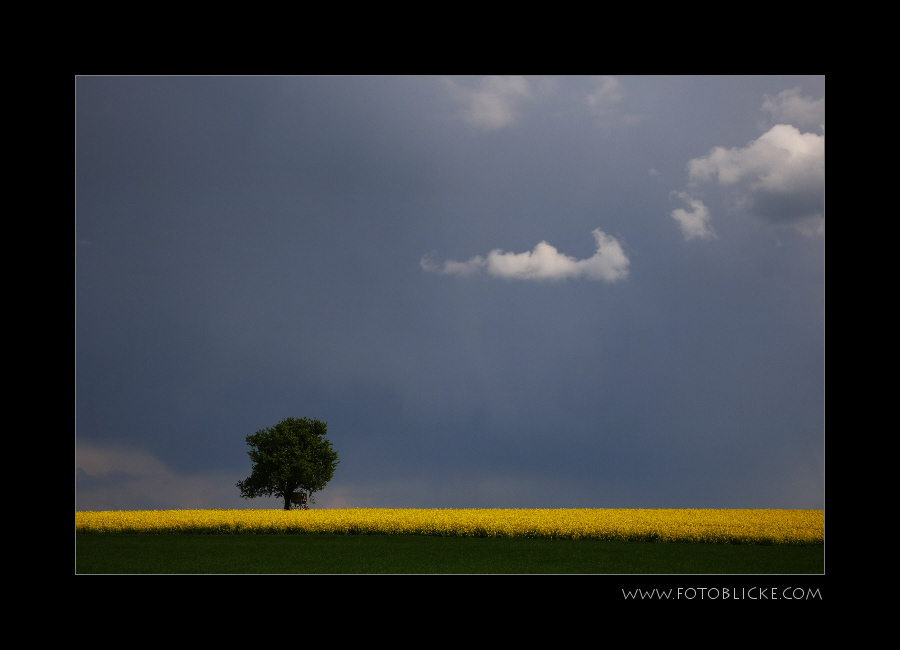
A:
(119, 553)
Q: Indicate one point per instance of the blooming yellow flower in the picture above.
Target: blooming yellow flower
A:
(783, 527)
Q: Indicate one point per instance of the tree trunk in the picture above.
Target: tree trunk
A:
(287, 500)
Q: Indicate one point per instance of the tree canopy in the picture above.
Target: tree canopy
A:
(291, 457)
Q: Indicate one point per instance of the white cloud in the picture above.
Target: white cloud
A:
(780, 176)
(495, 103)
(450, 267)
(545, 262)
(777, 161)
(789, 107)
(694, 223)
(605, 96)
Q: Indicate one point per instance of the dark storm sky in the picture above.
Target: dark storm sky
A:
(498, 292)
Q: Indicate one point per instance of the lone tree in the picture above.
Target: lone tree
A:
(293, 457)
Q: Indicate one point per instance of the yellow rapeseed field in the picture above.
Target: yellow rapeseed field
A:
(783, 527)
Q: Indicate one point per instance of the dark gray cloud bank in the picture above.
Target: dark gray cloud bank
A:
(498, 292)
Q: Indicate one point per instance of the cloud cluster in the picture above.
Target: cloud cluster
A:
(780, 176)
(498, 102)
(545, 262)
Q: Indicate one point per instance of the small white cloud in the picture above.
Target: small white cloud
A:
(545, 262)
(604, 102)
(606, 94)
(450, 267)
(694, 222)
(789, 107)
(495, 103)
